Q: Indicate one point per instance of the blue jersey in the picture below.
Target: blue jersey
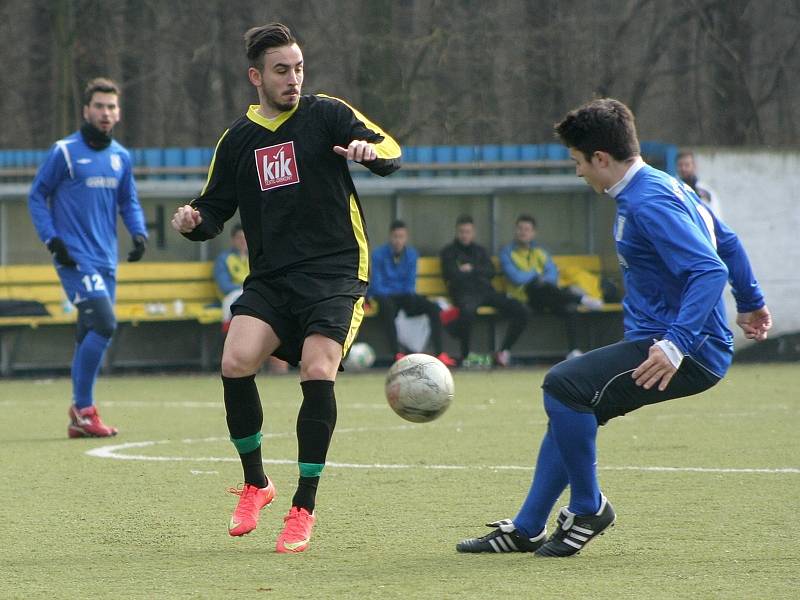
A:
(392, 275)
(76, 195)
(676, 257)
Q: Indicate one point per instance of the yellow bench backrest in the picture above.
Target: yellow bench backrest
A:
(193, 281)
(141, 282)
(430, 282)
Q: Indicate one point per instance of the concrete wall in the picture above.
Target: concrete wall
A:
(22, 244)
(758, 191)
(569, 223)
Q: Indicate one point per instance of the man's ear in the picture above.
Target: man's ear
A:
(254, 75)
(601, 159)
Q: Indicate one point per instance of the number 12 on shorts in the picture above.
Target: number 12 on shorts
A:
(93, 282)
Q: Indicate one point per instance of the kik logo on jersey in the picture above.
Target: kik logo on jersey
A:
(277, 166)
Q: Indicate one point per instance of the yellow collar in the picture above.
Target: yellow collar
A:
(271, 124)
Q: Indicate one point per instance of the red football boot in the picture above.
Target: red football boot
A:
(296, 531)
(85, 422)
(251, 500)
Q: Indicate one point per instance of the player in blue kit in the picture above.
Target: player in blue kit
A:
(676, 258)
(84, 181)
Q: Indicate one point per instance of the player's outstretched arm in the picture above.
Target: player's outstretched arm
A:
(360, 151)
(353, 135)
(755, 324)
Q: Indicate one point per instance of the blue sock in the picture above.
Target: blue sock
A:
(86, 366)
(549, 480)
(575, 434)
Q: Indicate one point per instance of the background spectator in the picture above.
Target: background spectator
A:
(230, 270)
(533, 279)
(468, 271)
(393, 281)
(687, 171)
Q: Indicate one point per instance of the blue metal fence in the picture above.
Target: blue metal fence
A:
(167, 163)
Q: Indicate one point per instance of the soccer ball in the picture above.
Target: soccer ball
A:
(419, 388)
(361, 356)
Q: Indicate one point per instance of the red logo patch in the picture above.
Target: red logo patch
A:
(277, 166)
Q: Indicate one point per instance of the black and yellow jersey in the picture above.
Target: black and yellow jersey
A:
(297, 202)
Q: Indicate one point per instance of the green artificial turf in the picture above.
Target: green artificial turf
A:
(74, 525)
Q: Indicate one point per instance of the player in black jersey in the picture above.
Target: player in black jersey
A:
(284, 166)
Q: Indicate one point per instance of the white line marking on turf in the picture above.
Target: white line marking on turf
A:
(114, 451)
(196, 472)
(705, 469)
(220, 405)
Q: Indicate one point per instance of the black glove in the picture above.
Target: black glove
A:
(59, 250)
(139, 245)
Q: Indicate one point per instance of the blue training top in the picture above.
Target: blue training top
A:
(675, 257)
(392, 275)
(76, 195)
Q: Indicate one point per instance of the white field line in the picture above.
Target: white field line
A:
(267, 404)
(115, 452)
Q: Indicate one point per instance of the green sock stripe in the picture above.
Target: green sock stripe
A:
(310, 469)
(248, 444)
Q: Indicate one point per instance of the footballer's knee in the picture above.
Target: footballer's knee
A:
(238, 364)
(556, 382)
(318, 370)
(553, 378)
(96, 314)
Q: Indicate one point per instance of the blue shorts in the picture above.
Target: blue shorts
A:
(82, 282)
(600, 381)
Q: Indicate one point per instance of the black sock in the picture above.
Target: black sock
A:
(253, 468)
(306, 494)
(315, 423)
(245, 417)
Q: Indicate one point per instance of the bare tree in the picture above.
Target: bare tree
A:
(716, 72)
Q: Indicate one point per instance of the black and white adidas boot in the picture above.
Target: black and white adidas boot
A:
(573, 531)
(505, 538)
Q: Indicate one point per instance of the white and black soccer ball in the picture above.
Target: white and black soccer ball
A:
(361, 356)
(419, 388)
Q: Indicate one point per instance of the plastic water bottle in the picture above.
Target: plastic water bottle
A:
(178, 307)
(66, 306)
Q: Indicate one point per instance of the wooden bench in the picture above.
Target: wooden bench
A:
(544, 340)
(431, 284)
(146, 293)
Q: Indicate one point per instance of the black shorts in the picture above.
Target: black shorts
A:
(296, 305)
(600, 381)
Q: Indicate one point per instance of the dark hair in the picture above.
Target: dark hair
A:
(524, 218)
(236, 229)
(685, 154)
(99, 84)
(397, 224)
(604, 124)
(464, 220)
(258, 40)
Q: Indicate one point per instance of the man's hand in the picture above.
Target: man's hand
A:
(59, 250)
(186, 219)
(139, 246)
(657, 369)
(755, 324)
(359, 150)
(465, 267)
